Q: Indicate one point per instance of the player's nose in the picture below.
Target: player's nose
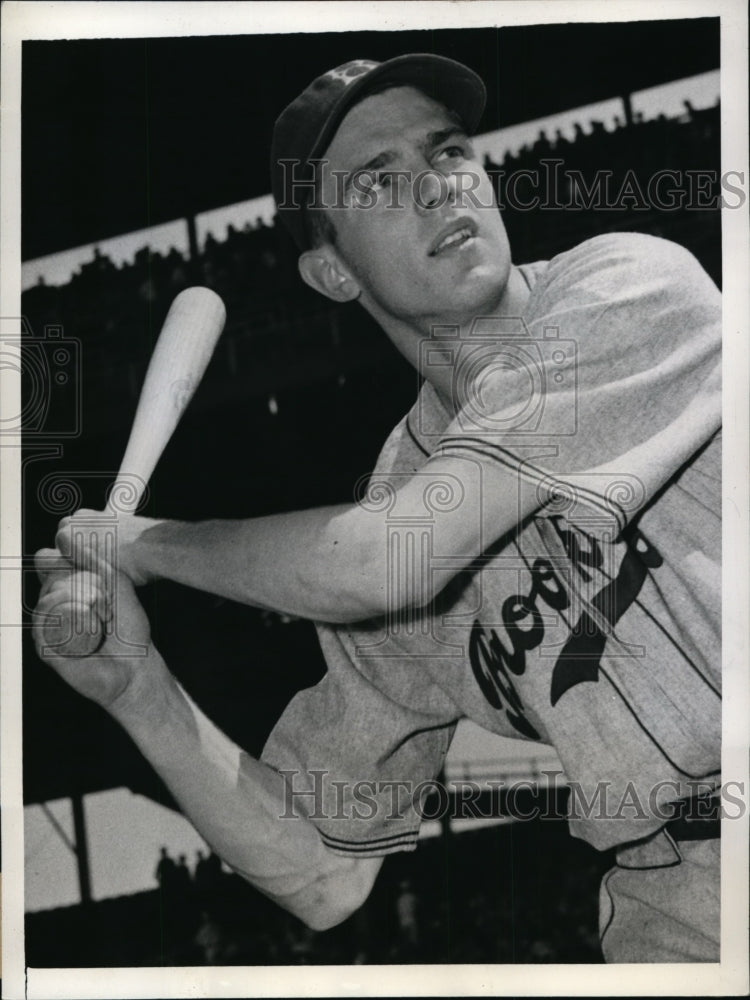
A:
(432, 190)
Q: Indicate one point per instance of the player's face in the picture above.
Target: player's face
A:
(419, 229)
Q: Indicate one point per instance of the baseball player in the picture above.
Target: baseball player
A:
(538, 549)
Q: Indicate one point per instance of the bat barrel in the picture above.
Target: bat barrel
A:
(181, 356)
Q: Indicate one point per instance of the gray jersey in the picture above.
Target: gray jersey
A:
(595, 625)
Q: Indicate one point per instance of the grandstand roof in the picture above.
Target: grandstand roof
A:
(122, 134)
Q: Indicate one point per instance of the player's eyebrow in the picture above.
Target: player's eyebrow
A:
(382, 159)
(431, 141)
(439, 136)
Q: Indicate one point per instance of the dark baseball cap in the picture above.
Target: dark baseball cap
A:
(306, 127)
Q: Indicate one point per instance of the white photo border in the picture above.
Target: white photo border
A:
(48, 20)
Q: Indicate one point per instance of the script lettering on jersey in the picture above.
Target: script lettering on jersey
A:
(494, 662)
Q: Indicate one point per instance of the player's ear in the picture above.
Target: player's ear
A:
(323, 270)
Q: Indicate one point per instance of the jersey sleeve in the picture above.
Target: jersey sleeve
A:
(357, 757)
(361, 750)
(606, 388)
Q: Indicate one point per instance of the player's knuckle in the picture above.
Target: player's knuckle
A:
(63, 538)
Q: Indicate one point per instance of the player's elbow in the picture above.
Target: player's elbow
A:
(332, 898)
(399, 582)
(374, 572)
(329, 914)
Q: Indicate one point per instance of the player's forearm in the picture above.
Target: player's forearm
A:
(236, 803)
(326, 564)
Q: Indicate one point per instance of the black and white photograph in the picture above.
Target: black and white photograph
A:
(374, 444)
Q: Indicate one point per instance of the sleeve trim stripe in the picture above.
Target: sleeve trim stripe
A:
(531, 473)
(377, 843)
(373, 852)
(414, 438)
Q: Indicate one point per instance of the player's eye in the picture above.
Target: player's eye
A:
(379, 179)
(369, 184)
(455, 151)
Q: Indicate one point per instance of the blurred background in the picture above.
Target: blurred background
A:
(145, 170)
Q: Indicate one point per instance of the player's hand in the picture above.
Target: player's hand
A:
(97, 540)
(112, 673)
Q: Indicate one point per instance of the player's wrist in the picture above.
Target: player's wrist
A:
(137, 554)
(141, 701)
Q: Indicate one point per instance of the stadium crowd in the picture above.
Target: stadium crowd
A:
(518, 893)
(600, 180)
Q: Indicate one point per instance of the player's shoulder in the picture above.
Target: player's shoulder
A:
(632, 251)
(625, 265)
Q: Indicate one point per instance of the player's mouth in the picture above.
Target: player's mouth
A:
(453, 237)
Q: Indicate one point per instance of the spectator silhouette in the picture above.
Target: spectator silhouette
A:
(183, 880)
(166, 872)
(207, 878)
(542, 146)
(489, 164)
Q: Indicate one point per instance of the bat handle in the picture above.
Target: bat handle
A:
(126, 493)
(76, 629)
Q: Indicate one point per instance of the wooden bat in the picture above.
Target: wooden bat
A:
(184, 348)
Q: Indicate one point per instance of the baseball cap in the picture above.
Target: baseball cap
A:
(305, 128)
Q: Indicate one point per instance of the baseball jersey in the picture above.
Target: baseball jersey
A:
(595, 624)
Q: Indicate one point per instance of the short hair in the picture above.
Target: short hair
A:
(318, 223)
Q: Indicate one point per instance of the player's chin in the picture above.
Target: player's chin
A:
(484, 282)
(487, 259)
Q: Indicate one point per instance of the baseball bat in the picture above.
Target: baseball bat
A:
(184, 348)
